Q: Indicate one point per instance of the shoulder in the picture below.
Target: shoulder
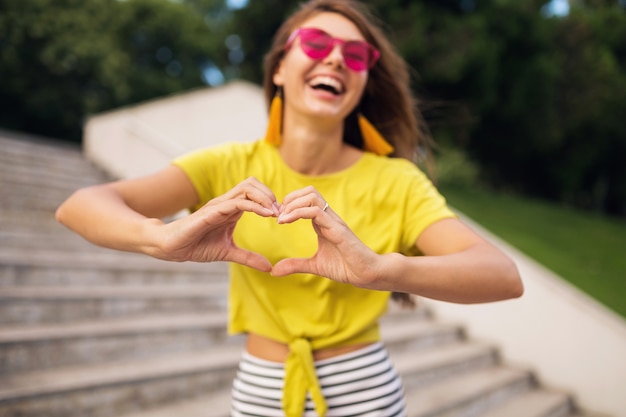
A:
(392, 169)
(229, 148)
(223, 152)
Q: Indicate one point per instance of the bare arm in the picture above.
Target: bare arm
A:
(125, 215)
(458, 265)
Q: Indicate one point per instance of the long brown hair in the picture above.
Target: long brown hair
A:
(388, 101)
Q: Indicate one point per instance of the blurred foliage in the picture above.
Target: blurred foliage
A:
(456, 169)
(535, 102)
(65, 59)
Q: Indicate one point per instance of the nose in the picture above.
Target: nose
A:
(335, 57)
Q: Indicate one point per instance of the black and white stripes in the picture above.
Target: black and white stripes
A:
(360, 383)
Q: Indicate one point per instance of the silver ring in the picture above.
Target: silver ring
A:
(325, 206)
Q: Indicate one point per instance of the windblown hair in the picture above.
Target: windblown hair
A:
(387, 101)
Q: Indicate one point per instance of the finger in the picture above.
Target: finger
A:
(219, 212)
(256, 191)
(307, 196)
(293, 266)
(253, 190)
(252, 206)
(316, 213)
(250, 259)
(299, 200)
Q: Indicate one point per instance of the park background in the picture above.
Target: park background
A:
(524, 99)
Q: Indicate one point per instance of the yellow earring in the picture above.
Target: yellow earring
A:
(372, 139)
(275, 121)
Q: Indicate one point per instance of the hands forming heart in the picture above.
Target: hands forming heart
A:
(207, 235)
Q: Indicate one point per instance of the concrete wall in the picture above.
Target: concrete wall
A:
(141, 139)
(569, 340)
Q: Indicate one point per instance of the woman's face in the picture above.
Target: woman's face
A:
(324, 88)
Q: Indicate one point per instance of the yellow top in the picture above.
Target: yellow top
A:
(387, 202)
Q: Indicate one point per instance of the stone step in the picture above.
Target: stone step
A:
(54, 172)
(48, 173)
(40, 346)
(32, 305)
(35, 199)
(99, 258)
(50, 237)
(429, 366)
(44, 276)
(115, 388)
(28, 220)
(417, 334)
(535, 403)
(468, 393)
(20, 148)
(38, 175)
(217, 404)
(43, 347)
(112, 389)
(59, 154)
(9, 216)
(43, 195)
(50, 293)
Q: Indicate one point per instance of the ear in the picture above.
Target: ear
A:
(279, 75)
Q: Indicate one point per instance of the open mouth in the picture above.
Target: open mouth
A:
(329, 84)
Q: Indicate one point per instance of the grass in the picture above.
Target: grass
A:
(585, 249)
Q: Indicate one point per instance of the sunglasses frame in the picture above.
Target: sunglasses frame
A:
(373, 53)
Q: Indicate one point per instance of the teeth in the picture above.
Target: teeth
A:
(329, 81)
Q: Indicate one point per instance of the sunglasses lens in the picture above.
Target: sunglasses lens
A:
(315, 43)
(356, 55)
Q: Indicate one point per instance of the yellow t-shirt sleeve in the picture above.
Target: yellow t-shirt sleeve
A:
(213, 171)
(424, 206)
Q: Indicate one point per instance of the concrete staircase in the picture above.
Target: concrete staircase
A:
(86, 331)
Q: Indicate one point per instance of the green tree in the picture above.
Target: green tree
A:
(57, 63)
(591, 105)
(554, 128)
(536, 102)
(167, 44)
(65, 59)
(256, 25)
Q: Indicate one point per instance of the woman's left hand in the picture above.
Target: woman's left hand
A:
(341, 255)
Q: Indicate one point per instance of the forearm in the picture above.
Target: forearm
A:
(478, 274)
(102, 217)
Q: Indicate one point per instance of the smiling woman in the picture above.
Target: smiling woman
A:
(331, 200)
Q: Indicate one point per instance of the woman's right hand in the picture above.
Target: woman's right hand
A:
(207, 234)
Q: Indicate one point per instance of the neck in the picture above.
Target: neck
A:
(316, 149)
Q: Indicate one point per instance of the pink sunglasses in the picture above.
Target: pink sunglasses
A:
(317, 44)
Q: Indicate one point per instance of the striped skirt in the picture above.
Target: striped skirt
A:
(359, 383)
